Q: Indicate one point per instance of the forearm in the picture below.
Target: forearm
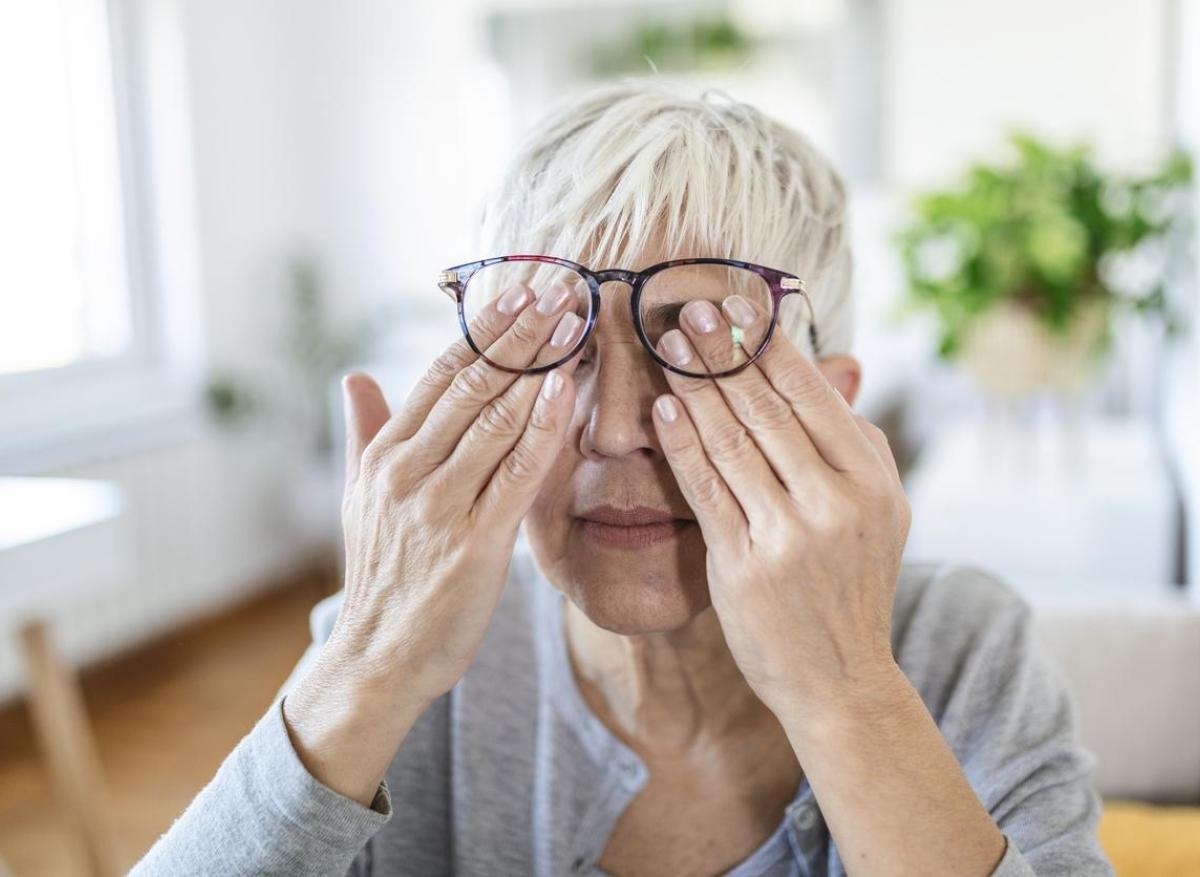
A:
(891, 791)
(263, 813)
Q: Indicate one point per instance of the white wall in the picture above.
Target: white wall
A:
(957, 73)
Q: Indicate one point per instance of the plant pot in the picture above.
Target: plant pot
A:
(1011, 353)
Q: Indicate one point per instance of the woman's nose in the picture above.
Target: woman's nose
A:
(625, 386)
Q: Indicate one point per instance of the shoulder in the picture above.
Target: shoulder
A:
(950, 601)
(953, 623)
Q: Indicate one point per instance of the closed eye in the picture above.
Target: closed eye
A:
(658, 318)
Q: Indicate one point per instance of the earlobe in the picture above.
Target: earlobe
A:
(844, 372)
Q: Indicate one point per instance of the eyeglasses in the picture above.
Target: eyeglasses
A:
(659, 294)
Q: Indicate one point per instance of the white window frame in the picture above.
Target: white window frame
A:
(74, 414)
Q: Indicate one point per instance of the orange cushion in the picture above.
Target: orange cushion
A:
(1143, 840)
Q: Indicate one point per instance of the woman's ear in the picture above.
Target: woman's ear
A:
(844, 372)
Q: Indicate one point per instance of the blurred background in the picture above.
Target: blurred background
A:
(210, 211)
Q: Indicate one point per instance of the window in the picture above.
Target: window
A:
(64, 290)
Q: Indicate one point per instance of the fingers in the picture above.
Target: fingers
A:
(452, 395)
(826, 417)
(491, 322)
(514, 482)
(748, 394)
(366, 411)
(718, 511)
(492, 439)
(725, 439)
(537, 336)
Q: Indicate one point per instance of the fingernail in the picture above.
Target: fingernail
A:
(553, 299)
(739, 310)
(552, 386)
(513, 300)
(703, 316)
(678, 349)
(564, 332)
(667, 409)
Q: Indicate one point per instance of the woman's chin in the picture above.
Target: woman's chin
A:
(658, 587)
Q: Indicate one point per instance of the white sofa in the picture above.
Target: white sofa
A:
(1132, 662)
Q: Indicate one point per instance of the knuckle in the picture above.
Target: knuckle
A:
(765, 408)
(521, 463)
(541, 421)
(524, 333)
(803, 383)
(391, 472)
(706, 489)
(449, 363)
(472, 383)
(870, 429)
(373, 458)
(498, 418)
(729, 440)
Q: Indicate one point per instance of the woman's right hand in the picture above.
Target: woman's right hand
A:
(434, 497)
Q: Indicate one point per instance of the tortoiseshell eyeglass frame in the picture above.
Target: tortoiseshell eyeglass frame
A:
(454, 281)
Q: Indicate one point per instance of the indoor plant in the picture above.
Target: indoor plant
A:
(1025, 264)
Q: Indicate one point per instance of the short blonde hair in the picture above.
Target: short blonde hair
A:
(606, 172)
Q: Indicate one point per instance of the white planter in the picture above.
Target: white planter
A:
(1010, 353)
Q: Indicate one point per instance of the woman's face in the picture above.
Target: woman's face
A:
(627, 579)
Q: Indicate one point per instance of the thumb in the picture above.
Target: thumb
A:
(366, 411)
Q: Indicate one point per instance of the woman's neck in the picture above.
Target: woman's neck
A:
(666, 692)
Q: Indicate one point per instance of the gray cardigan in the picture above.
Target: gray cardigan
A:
(510, 773)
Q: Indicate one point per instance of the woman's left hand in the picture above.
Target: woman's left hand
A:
(800, 505)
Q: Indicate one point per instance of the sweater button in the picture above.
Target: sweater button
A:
(805, 817)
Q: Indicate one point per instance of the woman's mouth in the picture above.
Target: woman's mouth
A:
(636, 527)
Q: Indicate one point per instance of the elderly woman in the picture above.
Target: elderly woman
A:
(701, 653)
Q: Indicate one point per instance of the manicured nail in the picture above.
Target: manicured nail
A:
(703, 316)
(552, 386)
(564, 332)
(739, 310)
(679, 350)
(667, 408)
(553, 298)
(513, 300)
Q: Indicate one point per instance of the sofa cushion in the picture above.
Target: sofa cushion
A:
(1148, 841)
(1132, 664)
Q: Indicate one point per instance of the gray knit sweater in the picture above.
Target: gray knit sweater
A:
(510, 773)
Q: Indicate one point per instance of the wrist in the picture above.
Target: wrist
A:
(346, 729)
(827, 709)
(346, 688)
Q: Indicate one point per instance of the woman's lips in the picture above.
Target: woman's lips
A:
(637, 527)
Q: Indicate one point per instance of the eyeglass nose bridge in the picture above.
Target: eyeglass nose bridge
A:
(616, 275)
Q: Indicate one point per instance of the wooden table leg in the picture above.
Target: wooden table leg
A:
(65, 736)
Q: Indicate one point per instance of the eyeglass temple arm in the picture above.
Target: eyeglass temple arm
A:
(795, 283)
(448, 283)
